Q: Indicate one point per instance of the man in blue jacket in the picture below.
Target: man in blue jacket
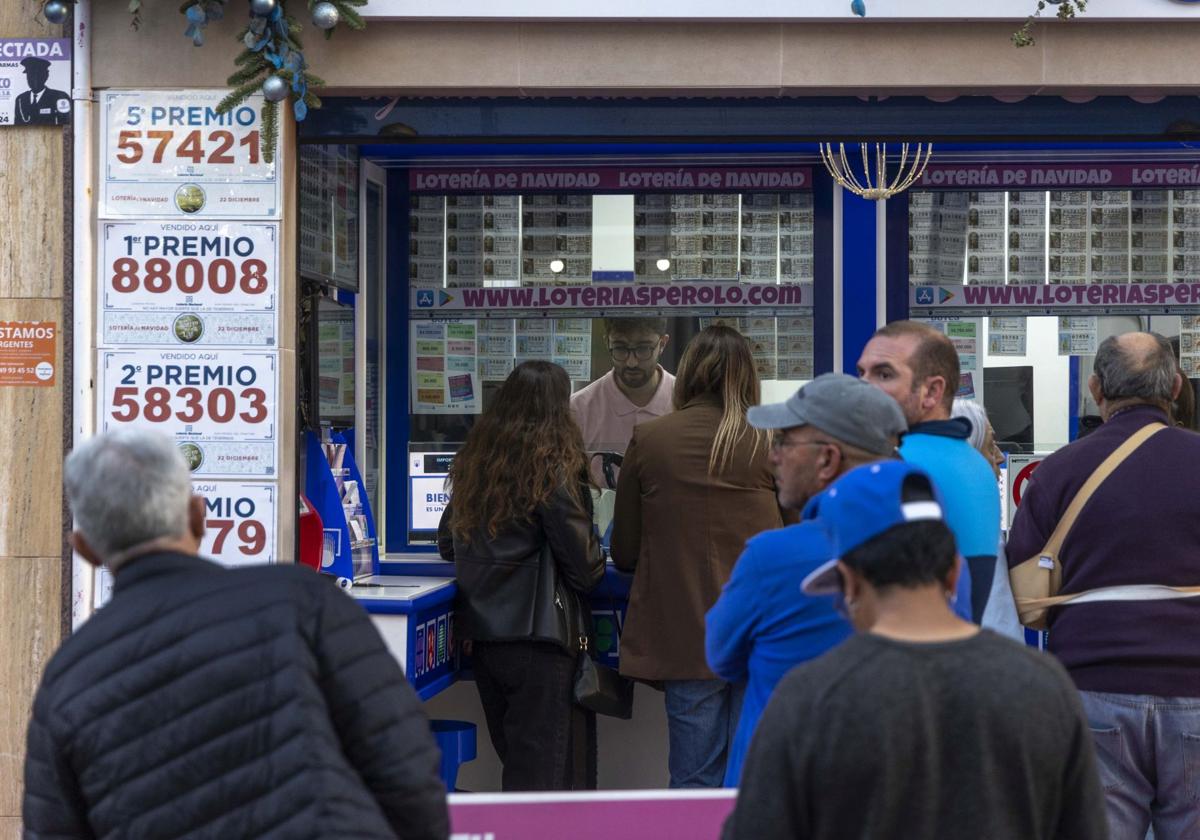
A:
(762, 625)
(917, 366)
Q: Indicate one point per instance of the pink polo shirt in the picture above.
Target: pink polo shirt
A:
(607, 417)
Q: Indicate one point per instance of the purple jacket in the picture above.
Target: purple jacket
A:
(1142, 526)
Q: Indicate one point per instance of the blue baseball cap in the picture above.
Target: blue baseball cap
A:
(864, 503)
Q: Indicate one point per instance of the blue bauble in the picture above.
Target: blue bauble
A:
(275, 89)
(325, 16)
(55, 11)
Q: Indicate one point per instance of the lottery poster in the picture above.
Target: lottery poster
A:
(219, 405)
(188, 283)
(169, 153)
(239, 522)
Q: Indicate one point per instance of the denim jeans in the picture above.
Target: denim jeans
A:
(1148, 752)
(983, 570)
(702, 716)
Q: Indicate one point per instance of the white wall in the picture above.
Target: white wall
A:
(612, 233)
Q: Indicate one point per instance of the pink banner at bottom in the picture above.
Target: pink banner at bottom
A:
(608, 815)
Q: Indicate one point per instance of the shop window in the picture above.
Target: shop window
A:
(1066, 236)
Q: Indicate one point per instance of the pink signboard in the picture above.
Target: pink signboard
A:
(1086, 175)
(1131, 296)
(463, 302)
(608, 815)
(467, 179)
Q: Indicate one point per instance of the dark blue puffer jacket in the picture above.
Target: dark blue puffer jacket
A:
(205, 702)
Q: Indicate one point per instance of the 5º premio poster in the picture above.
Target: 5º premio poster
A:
(35, 81)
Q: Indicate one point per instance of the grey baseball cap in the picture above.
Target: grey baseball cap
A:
(841, 406)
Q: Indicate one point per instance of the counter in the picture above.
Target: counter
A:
(412, 604)
(415, 616)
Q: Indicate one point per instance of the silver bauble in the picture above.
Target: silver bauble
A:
(325, 16)
(55, 11)
(275, 89)
(262, 8)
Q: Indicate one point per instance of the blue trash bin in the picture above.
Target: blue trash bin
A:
(456, 739)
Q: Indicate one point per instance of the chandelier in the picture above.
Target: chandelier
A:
(874, 184)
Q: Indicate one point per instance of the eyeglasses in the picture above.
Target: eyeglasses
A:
(780, 441)
(643, 352)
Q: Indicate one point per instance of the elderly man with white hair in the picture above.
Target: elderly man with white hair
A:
(205, 701)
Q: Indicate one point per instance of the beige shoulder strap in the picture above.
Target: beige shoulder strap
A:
(1128, 592)
(1095, 480)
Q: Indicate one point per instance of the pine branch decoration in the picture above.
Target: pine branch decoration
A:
(270, 130)
(1067, 10)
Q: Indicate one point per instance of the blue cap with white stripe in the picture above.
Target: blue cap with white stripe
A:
(864, 503)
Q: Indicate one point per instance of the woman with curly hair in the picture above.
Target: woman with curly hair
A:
(519, 531)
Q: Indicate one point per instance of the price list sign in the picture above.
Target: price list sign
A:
(169, 153)
(219, 405)
(239, 522)
(189, 283)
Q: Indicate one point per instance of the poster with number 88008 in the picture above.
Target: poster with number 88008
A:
(220, 405)
(188, 282)
(169, 153)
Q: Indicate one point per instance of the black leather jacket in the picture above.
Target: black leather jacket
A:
(529, 581)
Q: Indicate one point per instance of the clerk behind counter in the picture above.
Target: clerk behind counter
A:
(635, 390)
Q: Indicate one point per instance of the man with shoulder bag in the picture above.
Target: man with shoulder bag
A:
(1105, 552)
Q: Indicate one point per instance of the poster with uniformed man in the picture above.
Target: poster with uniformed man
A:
(35, 81)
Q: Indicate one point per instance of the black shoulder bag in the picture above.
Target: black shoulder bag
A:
(599, 688)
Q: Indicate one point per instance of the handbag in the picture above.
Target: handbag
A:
(1036, 581)
(599, 688)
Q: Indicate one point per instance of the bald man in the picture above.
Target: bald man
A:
(1135, 660)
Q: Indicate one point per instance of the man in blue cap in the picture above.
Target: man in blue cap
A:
(41, 105)
(759, 628)
(922, 726)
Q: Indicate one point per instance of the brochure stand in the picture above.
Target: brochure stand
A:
(334, 486)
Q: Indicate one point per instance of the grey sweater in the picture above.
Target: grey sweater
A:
(978, 738)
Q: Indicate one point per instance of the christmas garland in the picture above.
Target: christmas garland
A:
(1067, 9)
(272, 59)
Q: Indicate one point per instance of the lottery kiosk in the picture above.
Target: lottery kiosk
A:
(469, 268)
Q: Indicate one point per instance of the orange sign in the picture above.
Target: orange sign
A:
(27, 352)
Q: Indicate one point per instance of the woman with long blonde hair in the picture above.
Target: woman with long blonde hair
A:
(694, 486)
(519, 531)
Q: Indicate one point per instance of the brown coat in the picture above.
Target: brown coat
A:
(680, 530)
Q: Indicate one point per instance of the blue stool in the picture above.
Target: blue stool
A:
(456, 739)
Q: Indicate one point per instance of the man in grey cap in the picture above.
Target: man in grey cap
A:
(762, 625)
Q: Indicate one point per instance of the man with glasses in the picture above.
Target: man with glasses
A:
(761, 625)
(637, 389)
